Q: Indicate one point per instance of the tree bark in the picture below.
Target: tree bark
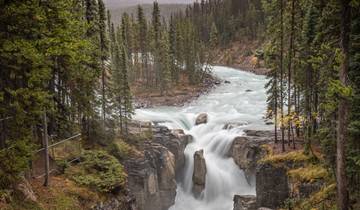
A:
(282, 74)
(341, 179)
(289, 69)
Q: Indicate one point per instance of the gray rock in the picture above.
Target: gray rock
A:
(229, 126)
(272, 187)
(152, 178)
(306, 189)
(116, 204)
(201, 119)
(246, 151)
(244, 202)
(199, 175)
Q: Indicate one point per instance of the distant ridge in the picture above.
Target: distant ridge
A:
(165, 9)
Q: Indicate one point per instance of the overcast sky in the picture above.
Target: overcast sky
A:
(112, 4)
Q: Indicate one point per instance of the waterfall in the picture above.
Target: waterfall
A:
(241, 102)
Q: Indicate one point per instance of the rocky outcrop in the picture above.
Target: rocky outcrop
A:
(246, 151)
(229, 126)
(245, 202)
(152, 179)
(201, 119)
(116, 204)
(272, 187)
(199, 175)
(176, 141)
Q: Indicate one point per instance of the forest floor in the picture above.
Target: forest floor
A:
(178, 95)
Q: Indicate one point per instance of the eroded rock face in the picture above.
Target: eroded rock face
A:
(245, 202)
(201, 119)
(199, 175)
(176, 141)
(272, 187)
(152, 179)
(246, 151)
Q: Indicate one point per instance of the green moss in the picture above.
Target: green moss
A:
(100, 171)
(296, 156)
(309, 173)
(323, 199)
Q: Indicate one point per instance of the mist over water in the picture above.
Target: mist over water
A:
(241, 102)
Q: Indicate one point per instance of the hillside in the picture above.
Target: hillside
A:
(165, 9)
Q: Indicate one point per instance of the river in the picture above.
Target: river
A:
(241, 102)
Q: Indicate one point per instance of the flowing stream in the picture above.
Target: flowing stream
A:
(242, 103)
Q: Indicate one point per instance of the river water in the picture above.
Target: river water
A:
(241, 102)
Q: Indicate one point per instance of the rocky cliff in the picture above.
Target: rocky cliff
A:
(152, 178)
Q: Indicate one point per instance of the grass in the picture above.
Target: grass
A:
(63, 194)
(309, 173)
(295, 156)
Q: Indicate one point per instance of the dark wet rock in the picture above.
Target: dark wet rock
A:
(272, 187)
(244, 202)
(227, 82)
(269, 123)
(217, 83)
(260, 133)
(248, 90)
(229, 126)
(306, 189)
(199, 175)
(201, 119)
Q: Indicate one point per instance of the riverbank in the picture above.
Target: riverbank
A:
(243, 55)
(180, 94)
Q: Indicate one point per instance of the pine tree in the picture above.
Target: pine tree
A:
(104, 48)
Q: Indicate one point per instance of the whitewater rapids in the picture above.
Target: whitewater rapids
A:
(241, 102)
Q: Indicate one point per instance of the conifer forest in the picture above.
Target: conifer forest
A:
(180, 105)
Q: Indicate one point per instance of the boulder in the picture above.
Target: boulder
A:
(244, 202)
(229, 126)
(272, 187)
(227, 82)
(199, 175)
(201, 119)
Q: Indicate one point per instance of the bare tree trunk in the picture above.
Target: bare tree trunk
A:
(341, 179)
(103, 92)
(46, 151)
(282, 74)
(289, 68)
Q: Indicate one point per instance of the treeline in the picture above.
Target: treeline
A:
(163, 53)
(231, 19)
(65, 65)
(312, 49)
(58, 68)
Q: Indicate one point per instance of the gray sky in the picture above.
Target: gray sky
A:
(112, 4)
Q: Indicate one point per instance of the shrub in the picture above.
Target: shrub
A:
(100, 171)
(120, 150)
(14, 160)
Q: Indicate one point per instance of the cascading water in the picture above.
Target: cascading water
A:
(241, 102)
